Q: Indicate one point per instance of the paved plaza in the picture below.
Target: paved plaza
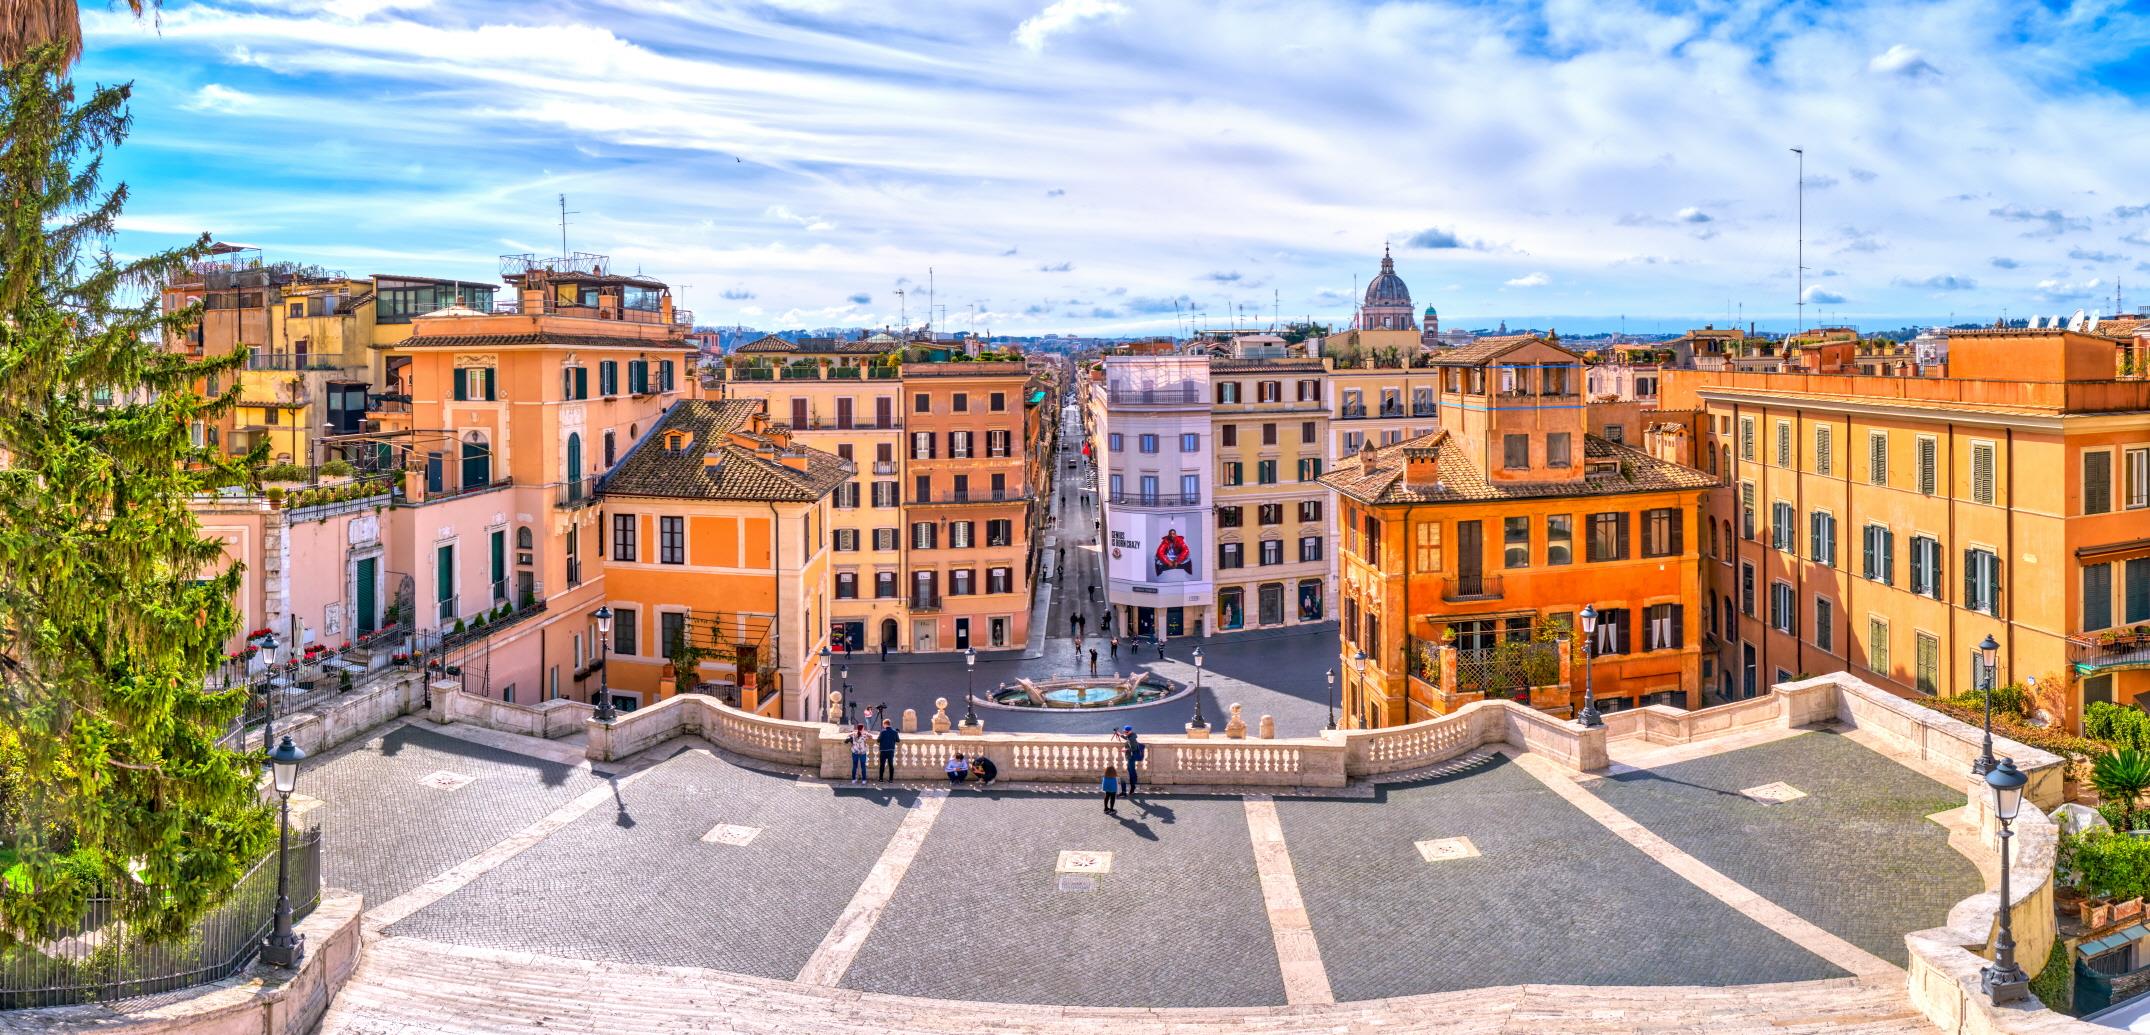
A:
(1498, 872)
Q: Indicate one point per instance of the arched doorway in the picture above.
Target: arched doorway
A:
(888, 634)
(477, 461)
(574, 466)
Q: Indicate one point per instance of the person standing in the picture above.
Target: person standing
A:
(884, 650)
(1110, 784)
(859, 743)
(1093, 661)
(888, 740)
(1135, 750)
(1115, 641)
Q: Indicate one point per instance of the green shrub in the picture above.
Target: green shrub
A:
(2056, 741)
(284, 473)
(2121, 777)
(2118, 725)
(2055, 985)
(2107, 864)
(338, 469)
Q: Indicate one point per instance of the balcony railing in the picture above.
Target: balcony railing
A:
(970, 496)
(924, 601)
(447, 609)
(574, 572)
(575, 494)
(1168, 395)
(291, 361)
(1471, 587)
(2112, 648)
(1155, 499)
(1422, 409)
(884, 467)
(1352, 412)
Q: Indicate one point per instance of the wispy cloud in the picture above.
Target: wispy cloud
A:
(1055, 267)
(2004, 263)
(1902, 60)
(1529, 280)
(1938, 282)
(1061, 16)
(2093, 255)
(1818, 295)
(2048, 222)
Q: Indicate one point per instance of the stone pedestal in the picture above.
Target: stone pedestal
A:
(971, 729)
(1235, 727)
(1195, 732)
(940, 715)
(1268, 727)
(910, 720)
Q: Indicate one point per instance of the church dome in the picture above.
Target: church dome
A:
(1388, 288)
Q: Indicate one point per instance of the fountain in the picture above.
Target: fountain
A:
(1087, 693)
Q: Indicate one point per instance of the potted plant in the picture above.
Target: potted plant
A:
(2122, 776)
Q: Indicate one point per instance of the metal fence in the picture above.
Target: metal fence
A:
(97, 959)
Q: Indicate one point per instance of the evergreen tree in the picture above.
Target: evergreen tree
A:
(113, 606)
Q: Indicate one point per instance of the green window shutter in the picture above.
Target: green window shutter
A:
(462, 383)
(582, 382)
(492, 374)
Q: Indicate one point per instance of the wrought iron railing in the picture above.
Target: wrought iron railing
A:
(1471, 587)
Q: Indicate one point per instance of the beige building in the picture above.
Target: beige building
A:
(1269, 424)
(1381, 390)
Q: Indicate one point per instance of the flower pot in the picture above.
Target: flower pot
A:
(2094, 913)
(2129, 910)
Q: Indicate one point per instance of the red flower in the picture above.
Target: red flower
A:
(346, 645)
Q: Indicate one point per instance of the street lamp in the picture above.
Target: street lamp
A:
(605, 714)
(1358, 664)
(825, 673)
(1332, 698)
(1590, 716)
(283, 947)
(1988, 658)
(1199, 722)
(2004, 981)
(970, 684)
(268, 690)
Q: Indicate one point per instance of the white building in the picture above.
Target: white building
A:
(1150, 426)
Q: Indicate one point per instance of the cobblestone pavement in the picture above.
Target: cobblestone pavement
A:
(1550, 898)
(637, 882)
(982, 914)
(1904, 877)
(386, 832)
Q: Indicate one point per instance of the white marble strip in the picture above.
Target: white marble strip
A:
(1306, 981)
(833, 956)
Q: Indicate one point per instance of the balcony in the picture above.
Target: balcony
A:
(1352, 411)
(1155, 499)
(1422, 410)
(2111, 649)
(574, 572)
(291, 361)
(576, 494)
(924, 602)
(884, 467)
(1189, 394)
(961, 496)
(1460, 588)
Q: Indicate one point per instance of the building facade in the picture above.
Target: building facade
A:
(1269, 422)
(967, 503)
(1151, 443)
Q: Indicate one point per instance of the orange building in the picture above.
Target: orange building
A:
(1887, 525)
(717, 560)
(1500, 528)
(967, 503)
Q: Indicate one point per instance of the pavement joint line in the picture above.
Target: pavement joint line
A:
(456, 877)
(1306, 981)
(513, 743)
(848, 935)
(1798, 930)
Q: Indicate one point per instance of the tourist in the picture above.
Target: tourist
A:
(859, 742)
(1110, 784)
(889, 738)
(884, 650)
(983, 771)
(1115, 648)
(1135, 750)
(958, 769)
(1093, 661)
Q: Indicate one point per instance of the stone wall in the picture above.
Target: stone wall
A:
(344, 717)
(550, 720)
(260, 1000)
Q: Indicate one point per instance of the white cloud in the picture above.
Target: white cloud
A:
(1902, 60)
(1529, 280)
(1061, 16)
(220, 98)
(1691, 214)
(1820, 295)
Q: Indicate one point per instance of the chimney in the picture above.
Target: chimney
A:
(793, 458)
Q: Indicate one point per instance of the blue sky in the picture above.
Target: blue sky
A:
(1080, 165)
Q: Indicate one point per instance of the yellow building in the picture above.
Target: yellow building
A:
(1381, 389)
(1889, 524)
(1269, 425)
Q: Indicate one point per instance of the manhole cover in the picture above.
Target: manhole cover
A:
(1073, 882)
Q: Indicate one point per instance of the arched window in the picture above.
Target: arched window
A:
(573, 474)
(522, 538)
(477, 460)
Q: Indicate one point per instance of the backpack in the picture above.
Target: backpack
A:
(1137, 750)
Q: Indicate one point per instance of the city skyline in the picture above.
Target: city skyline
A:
(793, 165)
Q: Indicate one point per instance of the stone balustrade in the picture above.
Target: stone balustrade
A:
(550, 720)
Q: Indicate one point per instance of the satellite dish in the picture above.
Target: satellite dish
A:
(2075, 323)
(2093, 324)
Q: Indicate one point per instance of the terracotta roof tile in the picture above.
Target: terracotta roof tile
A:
(734, 473)
(1376, 476)
(579, 341)
(1485, 350)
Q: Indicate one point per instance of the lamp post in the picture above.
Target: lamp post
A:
(268, 690)
(843, 676)
(826, 673)
(283, 947)
(1358, 664)
(2004, 981)
(1199, 722)
(1332, 698)
(1589, 717)
(1988, 652)
(605, 714)
(970, 684)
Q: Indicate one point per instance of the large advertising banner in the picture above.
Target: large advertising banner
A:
(1165, 550)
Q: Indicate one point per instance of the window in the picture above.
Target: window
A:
(1309, 468)
(1877, 644)
(2137, 464)
(1783, 608)
(2136, 606)
(1270, 513)
(1824, 451)
(1784, 443)
(1783, 527)
(1310, 549)
(672, 540)
(1228, 435)
(1272, 551)
(959, 444)
(1926, 566)
(1929, 465)
(1746, 438)
(1190, 488)
(1615, 433)
(623, 537)
(1265, 472)
(1608, 537)
(1515, 451)
(2097, 482)
(997, 580)
(845, 540)
(1982, 581)
(1746, 589)
(1190, 443)
(1229, 473)
(1821, 538)
(1231, 555)
(1000, 532)
(1228, 517)
(638, 376)
(998, 403)
(923, 534)
(626, 639)
(1559, 538)
(2097, 596)
(1306, 433)
(1663, 627)
(608, 377)
(1877, 557)
(1269, 432)
(1146, 443)
(884, 494)
(1982, 473)
(1661, 533)
(1611, 634)
(921, 445)
(884, 585)
(960, 582)
(1227, 392)
(1114, 441)
(473, 383)
(847, 585)
(1309, 510)
(1746, 511)
(1877, 458)
(1824, 627)
(959, 535)
(959, 403)
(1927, 677)
(1426, 547)
(1515, 542)
(885, 538)
(574, 383)
(1556, 449)
(996, 443)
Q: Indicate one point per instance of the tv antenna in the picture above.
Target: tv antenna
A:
(1800, 277)
(564, 213)
(903, 305)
